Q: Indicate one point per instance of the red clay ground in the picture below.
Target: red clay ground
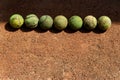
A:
(37, 55)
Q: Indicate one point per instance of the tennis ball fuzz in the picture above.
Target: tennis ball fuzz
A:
(104, 23)
(75, 22)
(31, 21)
(45, 22)
(16, 21)
(90, 22)
(60, 22)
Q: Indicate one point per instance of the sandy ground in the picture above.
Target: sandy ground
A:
(51, 55)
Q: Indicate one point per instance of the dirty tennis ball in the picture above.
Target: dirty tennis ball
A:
(75, 22)
(60, 22)
(16, 21)
(90, 22)
(46, 22)
(31, 21)
(104, 23)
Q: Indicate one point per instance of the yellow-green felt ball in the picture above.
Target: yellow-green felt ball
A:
(75, 22)
(31, 21)
(16, 21)
(60, 22)
(104, 23)
(46, 22)
(90, 22)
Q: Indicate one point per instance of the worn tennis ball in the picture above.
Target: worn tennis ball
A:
(60, 22)
(104, 23)
(75, 22)
(46, 22)
(31, 21)
(90, 22)
(16, 21)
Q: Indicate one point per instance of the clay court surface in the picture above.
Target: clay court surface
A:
(52, 55)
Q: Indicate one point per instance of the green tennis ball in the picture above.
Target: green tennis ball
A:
(31, 21)
(16, 21)
(104, 23)
(75, 22)
(90, 22)
(46, 22)
(60, 22)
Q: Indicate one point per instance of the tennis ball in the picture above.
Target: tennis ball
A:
(90, 22)
(16, 21)
(75, 22)
(104, 23)
(46, 22)
(31, 21)
(60, 22)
